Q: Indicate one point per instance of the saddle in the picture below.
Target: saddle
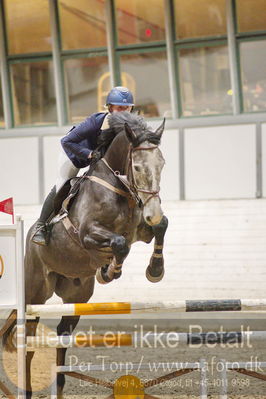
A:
(62, 201)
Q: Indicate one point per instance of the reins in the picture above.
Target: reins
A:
(110, 187)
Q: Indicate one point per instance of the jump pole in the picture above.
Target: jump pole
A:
(80, 309)
(244, 339)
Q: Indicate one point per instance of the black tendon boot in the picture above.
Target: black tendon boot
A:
(41, 233)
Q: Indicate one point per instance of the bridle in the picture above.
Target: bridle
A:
(130, 174)
(128, 180)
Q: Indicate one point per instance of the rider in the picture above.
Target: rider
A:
(77, 148)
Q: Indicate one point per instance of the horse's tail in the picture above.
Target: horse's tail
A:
(8, 332)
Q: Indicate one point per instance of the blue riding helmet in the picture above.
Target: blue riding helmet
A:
(120, 96)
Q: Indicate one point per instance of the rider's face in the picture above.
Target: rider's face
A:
(119, 108)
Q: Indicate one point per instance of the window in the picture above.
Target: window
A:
(199, 18)
(252, 52)
(87, 78)
(83, 24)
(144, 72)
(87, 82)
(33, 93)
(251, 16)
(253, 74)
(203, 66)
(139, 21)
(146, 75)
(199, 27)
(2, 122)
(204, 80)
(28, 29)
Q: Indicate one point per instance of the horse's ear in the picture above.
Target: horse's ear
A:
(160, 130)
(130, 134)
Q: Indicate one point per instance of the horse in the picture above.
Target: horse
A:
(117, 204)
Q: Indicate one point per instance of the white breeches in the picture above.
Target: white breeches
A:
(66, 170)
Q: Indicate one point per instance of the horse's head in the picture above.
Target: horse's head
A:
(135, 152)
(144, 168)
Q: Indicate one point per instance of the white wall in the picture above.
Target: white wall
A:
(170, 173)
(220, 162)
(264, 159)
(19, 170)
(51, 146)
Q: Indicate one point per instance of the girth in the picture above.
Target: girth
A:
(71, 230)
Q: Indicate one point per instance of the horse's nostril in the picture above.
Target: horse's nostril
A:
(153, 219)
(149, 220)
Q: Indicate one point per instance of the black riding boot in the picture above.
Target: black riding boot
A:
(41, 233)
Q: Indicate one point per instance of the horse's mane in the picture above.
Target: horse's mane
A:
(117, 121)
(136, 122)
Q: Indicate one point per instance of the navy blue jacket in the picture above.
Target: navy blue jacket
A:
(82, 139)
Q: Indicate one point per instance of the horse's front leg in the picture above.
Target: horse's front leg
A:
(108, 273)
(155, 270)
(100, 237)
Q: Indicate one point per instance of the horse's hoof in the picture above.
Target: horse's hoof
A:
(102, 278)
(154, 279)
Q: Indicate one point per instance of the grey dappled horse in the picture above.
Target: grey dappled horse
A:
(118, 204)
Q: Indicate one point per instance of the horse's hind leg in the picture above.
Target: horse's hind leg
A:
(39, 288)
(71, 291)
(31, 327)
(37, 295)
(65, 327)
(155, 270)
